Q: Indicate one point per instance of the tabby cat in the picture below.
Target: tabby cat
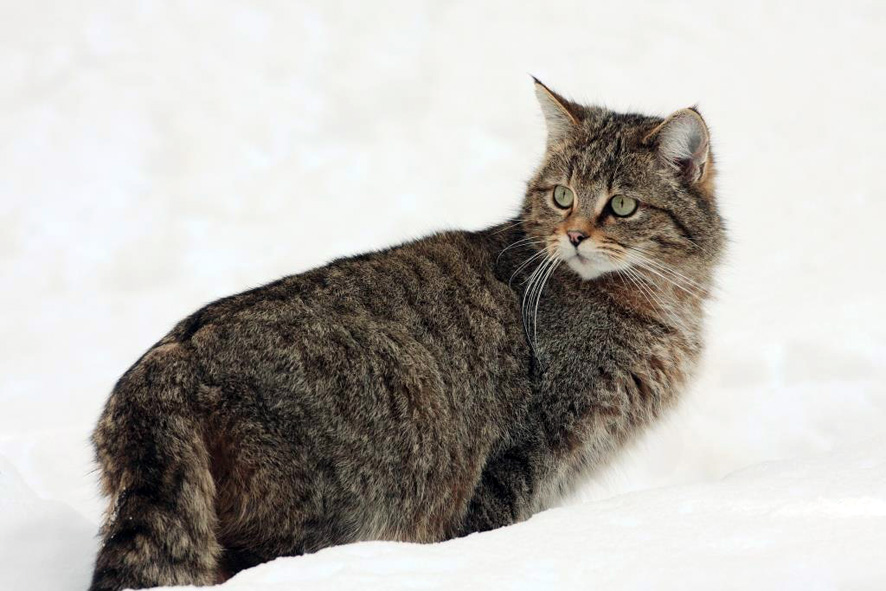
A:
(454, 384)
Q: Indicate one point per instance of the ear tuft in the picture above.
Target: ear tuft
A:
(561, 116)
(684, 144)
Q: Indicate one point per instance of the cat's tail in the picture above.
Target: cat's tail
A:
(161, 521)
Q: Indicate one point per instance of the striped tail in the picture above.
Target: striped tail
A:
(161, 522)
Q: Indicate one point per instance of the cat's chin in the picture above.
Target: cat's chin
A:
(589, 268)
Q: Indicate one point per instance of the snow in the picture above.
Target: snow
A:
(156, 156)
(45, 543)
(782, 525)
(817, 523)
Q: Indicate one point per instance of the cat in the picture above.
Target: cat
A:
(450, 385)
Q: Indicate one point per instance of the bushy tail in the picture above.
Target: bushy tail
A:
(160, 525)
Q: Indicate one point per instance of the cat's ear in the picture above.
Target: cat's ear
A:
(684, 144)
(561, 115)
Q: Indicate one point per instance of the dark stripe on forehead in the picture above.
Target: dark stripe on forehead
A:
(573, 165)
(613, 161)
(602, 153)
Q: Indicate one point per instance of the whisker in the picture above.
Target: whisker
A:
(647, 288)
(526, 298)
(647, 266)
(509, 226)
(524, 264)
(624, 273)
(551, 268)
(533, 290)
(645, 255)
(523, 241)
(646, 284)
(698, 246)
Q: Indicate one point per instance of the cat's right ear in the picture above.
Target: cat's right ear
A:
(684, 144)
(561, 116)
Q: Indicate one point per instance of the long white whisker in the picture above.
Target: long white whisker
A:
(523, 306)
(698, 246)
(509, 226)
(528, 294)
(640, 253)
(643, 264)
(551, 268)
(668, 310)
(525, 263)
(533, 279)
(624, 273)
(646, 287)
(523, 241)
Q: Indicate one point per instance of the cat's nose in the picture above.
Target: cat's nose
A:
(576, 237)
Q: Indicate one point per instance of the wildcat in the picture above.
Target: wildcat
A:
(454, 384)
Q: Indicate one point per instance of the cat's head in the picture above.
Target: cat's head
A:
(620, 191)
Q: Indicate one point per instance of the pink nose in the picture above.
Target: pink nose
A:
(576, 237)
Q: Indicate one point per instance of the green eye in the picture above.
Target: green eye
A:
(623, 206)
(563, 196)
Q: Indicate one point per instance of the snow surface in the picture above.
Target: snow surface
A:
(155, 156)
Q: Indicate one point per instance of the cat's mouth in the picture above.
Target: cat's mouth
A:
(588, 264)
(588, 257)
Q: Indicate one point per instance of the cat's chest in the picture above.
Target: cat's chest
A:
(596, 392)
(601, 369)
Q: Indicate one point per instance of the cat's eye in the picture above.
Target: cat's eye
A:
(623, 206)
(563, 197)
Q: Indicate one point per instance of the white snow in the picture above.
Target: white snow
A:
(784, 525)
(156, 156)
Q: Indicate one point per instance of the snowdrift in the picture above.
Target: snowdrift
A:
(815, 523)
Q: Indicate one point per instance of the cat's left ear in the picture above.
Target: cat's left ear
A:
(684, 144)
(561, 115)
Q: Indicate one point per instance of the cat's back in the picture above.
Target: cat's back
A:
(420, 323)
(433, 289)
